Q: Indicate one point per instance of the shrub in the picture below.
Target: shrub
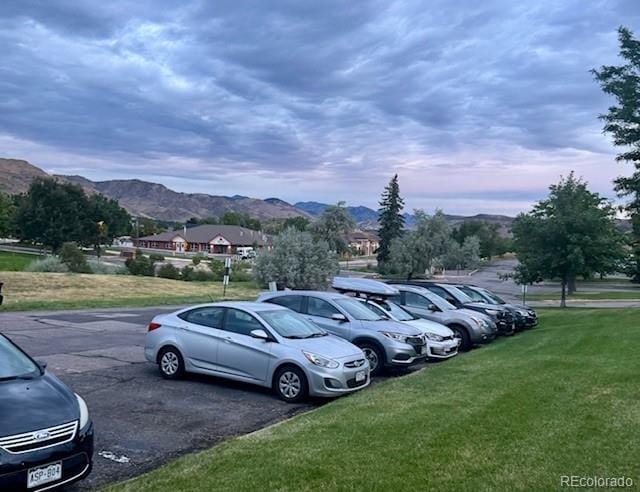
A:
(297, 261)
(156, 257)
(49, 264)
(167, 270)
(73, 257)
(140, 266)
(197, 259)
(100, 267)
(217, 269)
(190, 274)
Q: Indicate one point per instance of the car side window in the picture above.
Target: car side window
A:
(320, 307)
(416, 300)
(240, 322)
(292, 302)
(444, 294)
(206, 316)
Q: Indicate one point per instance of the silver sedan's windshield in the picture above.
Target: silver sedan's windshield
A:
(495, 298)
(14, 364)
(291, 325)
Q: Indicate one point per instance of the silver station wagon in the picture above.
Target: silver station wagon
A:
(258, 343)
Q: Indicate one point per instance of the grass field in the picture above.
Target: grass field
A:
(561, 399)
(612, 295)
(15, 262)
(30, 291)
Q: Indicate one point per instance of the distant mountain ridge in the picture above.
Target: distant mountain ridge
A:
(153, 200)
(145, 199)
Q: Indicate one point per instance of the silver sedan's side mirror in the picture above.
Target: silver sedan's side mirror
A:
(432, 307)
(260, 334)
(339, 317)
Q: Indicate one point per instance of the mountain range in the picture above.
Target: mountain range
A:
(156, 201)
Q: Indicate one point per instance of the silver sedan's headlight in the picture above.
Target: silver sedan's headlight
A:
(434, 337)
(492, 312)
(84, 412)
(398, 337)
(321, 361)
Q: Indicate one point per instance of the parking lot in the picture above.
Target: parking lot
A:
(141, 420)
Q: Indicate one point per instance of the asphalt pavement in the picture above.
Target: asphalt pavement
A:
(141, 420)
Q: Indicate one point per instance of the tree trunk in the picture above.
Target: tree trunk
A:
(563, 296)
(571, 284)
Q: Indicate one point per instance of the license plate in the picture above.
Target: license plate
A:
(360, 376)
(44, 474)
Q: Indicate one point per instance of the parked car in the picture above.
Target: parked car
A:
(470, 327)
(525, 317)
(46, 435)
(257, 343)
(441, 342)
(500, 316)
(386, 343)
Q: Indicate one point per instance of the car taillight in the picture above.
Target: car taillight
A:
(154, 326)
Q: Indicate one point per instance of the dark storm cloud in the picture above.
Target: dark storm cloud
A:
(329, 90)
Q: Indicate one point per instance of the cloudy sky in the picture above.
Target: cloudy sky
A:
(478, 106)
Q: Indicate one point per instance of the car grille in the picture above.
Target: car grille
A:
(355, 363)
(43, 438)
(416, 340)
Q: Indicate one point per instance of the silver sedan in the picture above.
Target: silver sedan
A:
(258, 343)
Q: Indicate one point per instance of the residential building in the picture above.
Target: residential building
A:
(214, 239)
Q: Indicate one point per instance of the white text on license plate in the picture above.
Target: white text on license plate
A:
(44, 474)
(360, 376)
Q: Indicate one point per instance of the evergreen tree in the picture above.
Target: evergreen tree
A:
(622, 121)
(390, 219)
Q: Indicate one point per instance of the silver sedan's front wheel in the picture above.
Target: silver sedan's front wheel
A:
(291, 384)
(171, 363)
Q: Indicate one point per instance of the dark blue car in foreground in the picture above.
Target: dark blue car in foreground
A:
(46, 435)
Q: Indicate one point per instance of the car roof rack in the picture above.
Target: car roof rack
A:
(364, 286)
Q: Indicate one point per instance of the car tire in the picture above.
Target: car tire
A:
(461, 334)
(374, 355)
(290, 384)
(171, 363)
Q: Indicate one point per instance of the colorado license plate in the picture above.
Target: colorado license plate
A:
(44, 474)
(360, 376)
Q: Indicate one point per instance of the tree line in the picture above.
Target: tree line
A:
(53, 212)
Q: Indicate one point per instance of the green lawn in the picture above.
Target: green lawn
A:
(561, 399)
(612, 295)
(15, 262)
(25, 291)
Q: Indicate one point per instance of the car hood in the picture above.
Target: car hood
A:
(430, 326)
(484, 305)
(330, 346)
(392, 326)
(28, 405)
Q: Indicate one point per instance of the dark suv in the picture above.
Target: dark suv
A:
(46, 436)
(501, 316)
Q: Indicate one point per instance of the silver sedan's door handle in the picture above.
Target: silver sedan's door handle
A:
(227, 339)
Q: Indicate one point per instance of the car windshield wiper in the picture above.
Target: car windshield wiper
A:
(13, 378)
(319, 334)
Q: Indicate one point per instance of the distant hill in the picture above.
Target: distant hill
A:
(367, 218)
(145, 199)
(360, 213)
(16, 175)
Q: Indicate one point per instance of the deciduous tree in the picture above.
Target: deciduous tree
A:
(570, 234)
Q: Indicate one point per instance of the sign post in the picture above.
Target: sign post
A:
(225, 279)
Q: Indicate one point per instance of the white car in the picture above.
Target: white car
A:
(441, 340)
